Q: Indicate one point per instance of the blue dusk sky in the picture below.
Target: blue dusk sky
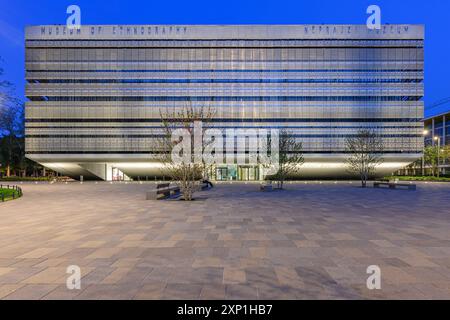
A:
(434, 14)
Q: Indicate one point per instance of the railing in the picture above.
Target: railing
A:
(16, 192)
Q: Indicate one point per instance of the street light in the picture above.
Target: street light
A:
(438, 139)
(425, 133)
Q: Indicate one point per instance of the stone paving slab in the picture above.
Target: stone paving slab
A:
(311, 241)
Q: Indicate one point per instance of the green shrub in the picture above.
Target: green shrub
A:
(8, 194)
(418, 178)
(15, 178)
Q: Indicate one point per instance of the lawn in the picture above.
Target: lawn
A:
(16, 178)
(7, 194)
(419, 178)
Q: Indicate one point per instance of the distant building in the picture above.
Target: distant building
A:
(95, 94)
(438, 125)
(436, 131)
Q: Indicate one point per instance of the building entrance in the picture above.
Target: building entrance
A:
(236, 172)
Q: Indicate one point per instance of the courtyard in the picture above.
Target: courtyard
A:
(313, 241)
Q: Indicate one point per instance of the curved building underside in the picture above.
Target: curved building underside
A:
(314, 167)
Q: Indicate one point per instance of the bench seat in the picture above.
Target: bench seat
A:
(393, 185)
(266, 187)
(163, 191)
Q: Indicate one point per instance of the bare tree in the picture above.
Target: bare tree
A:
(290, 158)
(365, 151)
(187, 172)
(11, 132)
(5, 86)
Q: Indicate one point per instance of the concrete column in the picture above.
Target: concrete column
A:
(443, 130)
(443, 142)
(432, 132)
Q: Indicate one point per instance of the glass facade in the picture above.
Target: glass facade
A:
(95, 97)
(438, 126)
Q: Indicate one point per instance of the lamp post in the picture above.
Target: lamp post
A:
(425, 133)
(438, 139)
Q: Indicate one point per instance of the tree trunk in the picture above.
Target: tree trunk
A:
(8, 170)
(187, 194)
(363, 181)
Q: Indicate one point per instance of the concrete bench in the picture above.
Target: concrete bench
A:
(266, 187)
(201, 186)
(204, 186)
(163, 191)
(393, 185)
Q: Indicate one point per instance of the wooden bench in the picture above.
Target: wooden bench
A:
(393, 185)
(163, 191)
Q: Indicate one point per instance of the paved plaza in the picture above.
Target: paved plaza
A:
(312, 241)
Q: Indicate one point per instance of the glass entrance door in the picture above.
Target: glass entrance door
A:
(248, 173)
(226, 173)
(244, 174)
(221, 174)
(117, 175)
(234, 172)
